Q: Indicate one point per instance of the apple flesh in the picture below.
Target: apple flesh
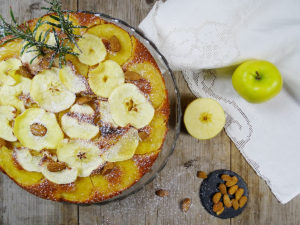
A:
(257, 80)
(204, 118)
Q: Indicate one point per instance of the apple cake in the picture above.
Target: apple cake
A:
(84, 130)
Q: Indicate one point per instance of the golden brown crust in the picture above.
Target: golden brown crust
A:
(116, 180)
(145, 162)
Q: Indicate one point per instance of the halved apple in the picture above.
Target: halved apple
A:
(204, 118)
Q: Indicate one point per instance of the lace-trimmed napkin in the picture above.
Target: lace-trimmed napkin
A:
(201, 36)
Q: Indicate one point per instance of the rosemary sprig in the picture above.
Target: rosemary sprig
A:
(39, 44)
(64, 24)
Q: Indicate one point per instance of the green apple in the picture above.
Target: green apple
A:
(257, 80)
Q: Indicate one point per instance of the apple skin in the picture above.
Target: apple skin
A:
(257, 80)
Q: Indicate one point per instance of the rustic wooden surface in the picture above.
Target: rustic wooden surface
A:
(17, 207)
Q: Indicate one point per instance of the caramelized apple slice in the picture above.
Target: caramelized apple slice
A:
(22, 177)
(122, 176)
(107, 32)
(158, 131)
(82, 191)
(151, 74)
(10, 49)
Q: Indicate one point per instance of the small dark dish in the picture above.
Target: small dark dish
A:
(209, 187)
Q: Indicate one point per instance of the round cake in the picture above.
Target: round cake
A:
(83, 111)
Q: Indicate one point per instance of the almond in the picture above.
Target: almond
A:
(114, 44)
(226, 177)
(220, 211)
(162, 193)
(130, 75)
(108, 167)
(218, 206)
(144, 132)
(106, 44)
(227, 201)
(2, 142)
(83, 100)
(25, 72)
(186, 204)
(38, 129)
(239, 193)
(56, 166)
(235, 204)
(233, 189)
(223, 189)
(232, 182)
(143, 135)
(201, 174)
(216, 198)
(243, 201)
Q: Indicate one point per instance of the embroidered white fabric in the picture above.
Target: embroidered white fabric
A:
(206, 39)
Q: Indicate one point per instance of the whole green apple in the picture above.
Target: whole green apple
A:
(257, 80)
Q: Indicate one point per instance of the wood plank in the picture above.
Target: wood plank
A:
(17, 207)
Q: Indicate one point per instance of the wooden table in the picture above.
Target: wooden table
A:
(17, 207)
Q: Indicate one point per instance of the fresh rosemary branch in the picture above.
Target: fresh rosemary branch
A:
(39, 44)
(64, 24)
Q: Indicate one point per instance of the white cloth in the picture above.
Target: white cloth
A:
(199, 36)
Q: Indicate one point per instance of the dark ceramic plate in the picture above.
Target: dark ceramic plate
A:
(209, 187)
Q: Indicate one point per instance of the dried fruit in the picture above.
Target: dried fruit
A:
(38, 129)
(124, 148)
(201, 174)
(233, 189)
(220, 211)
(81, 155)
(56, 166)
(71, 80)
(48, 91)
(107, 31)
(226, 177)
(243, 201)
(83, 100)
(235, 204)
(216, 198)
(143, 135)
(131, 75)
(227, 201)
(2, 142)
(24, 72)
(114, 44)
(92, 50)
(223, 189)
(186, 204)
(78, 123)
(128, 105)
(239, 193)
(108, 167)
(232, 182)
(162, 193)
(218, 206)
